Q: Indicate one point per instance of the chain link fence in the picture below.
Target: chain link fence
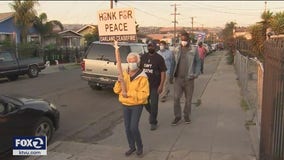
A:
(250, 75)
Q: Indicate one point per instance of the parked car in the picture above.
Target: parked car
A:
(207, 48)
(11, 66)
(220, 46)
(25, 116)
(214, 46)
(99, 65)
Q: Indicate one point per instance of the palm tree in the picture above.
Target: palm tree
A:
(45, 27)
(24, 15)
(266, 17)
(277, 23)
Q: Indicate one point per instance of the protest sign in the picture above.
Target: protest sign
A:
(117, 24)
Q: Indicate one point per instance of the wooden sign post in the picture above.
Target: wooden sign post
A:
(119, 68)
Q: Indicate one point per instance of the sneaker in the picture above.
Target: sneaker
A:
(153, 127)
(187, 120)
(130, 151)
(175, 121)
(139, 152)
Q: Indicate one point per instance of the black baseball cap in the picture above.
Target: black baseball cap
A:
(152, 43)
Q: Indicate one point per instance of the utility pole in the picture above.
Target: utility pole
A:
(175, 21)
(192, 18)
(267, 28)
(111, 4)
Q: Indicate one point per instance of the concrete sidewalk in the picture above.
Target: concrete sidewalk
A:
(217, 131)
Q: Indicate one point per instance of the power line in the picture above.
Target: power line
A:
(210, 8)
(158, 17)
(234, 8)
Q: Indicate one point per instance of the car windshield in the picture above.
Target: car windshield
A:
(105, 52)
(5, 56)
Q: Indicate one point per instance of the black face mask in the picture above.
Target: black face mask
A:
(151, 50)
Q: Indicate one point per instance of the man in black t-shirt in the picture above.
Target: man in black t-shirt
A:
(155, 68)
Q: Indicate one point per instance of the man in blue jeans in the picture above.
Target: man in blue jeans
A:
(154, 66)
(186, 70)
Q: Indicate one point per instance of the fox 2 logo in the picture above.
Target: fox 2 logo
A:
(30, 142)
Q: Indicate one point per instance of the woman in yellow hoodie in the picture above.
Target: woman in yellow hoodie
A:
(133, 100)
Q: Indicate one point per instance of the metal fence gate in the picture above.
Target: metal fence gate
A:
(272, 118)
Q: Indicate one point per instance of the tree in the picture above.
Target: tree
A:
(277, 23)
(257, 40)
(227, 32)
(45, 27)
(258, 33)
(228, 35)
(91, 37)
(266, 17)
(23, 16)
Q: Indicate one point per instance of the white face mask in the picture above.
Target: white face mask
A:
(162, 47)
(132, 66)
(183, 43)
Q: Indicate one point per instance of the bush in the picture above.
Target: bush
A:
(26, 50)
(230, 58)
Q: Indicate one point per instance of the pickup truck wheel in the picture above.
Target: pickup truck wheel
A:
(33, 71)
(13, 77)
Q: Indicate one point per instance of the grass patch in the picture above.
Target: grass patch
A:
(198, 103)
(249, 123)
(230, 59)
(244, 105)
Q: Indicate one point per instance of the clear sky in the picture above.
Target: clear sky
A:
(158, 13)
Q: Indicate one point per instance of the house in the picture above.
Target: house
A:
(8, 29)
(241, 32)
(69, 39)
(87, 29)
(165, 37)
(167, 30)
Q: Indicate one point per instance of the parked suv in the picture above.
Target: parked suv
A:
(99, 64)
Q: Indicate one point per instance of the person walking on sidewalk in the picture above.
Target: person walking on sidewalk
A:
(133, 101)
(168, 57)
(154, 66)
(202, 53)
(186, 69)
